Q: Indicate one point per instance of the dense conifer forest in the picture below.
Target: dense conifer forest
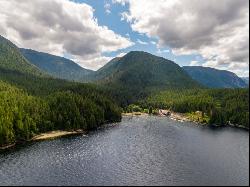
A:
(22, 115)
(221, 106)
(32, 101)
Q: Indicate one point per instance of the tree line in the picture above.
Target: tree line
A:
(22, 115)
(222, 106)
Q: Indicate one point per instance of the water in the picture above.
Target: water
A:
(138, 151)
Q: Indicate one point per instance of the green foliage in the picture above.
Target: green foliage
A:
(218, 106)
(31, 102)
(200, 117)
(22, 116)
(134, 108)
(69, 110)
(139, 74)
(12, 59)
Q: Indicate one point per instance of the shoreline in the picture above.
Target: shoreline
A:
(55, 134)
(7, 146)
(182, 117)
(135, 114)
(162, 113)
(47, 136)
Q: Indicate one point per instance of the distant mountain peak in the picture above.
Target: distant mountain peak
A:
(214, 78)
(144, 68)
(57, 66)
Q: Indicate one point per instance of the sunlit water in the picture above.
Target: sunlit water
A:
(137, 151)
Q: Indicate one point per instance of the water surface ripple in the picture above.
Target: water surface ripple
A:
(137, 151)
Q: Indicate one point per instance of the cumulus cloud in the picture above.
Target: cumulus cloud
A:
(194, 63)
(107, 8)
(122, 2)
(218, 30)
(92, 62)
(59, 27)
(142, 42)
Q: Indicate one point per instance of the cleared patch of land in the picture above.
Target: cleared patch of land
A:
(135, 114)
(55, 134)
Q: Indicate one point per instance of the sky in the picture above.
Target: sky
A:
(91, 32)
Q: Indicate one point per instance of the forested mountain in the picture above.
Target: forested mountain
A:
(56, 66)
(12, 59)
(107, 69)
(213, 78)
(142, 70)
(138, 74)
(32, 102)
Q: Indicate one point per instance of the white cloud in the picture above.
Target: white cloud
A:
(59, 27)
(163, 51)
(194, 63)
(93, 62)
(153, 42)
(121, 54)
(107, 8)
(218, 30)
(142, 42)
(122, 2)
(126, 17)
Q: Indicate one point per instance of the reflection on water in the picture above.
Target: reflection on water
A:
(138, 151)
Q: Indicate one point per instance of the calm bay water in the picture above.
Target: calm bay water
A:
(137, 151)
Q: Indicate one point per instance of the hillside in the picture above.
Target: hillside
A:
(214, 78)
(145, 71)
(246, 80)
(56, 66)
(138, 74)
(12, 59)
(218, 106)
(106, 70)
(32, 102)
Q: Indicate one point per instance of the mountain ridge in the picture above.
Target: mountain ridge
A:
(57, 66)
(214, 78)
(9, 52)
(139, 68)
(139, 74)
(151, 68)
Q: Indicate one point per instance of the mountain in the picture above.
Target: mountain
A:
(144, 70)
(56, 66)
(139, 73)
(106, 70)
(32, 102)
(246, 80)
(12, 60)
(214, 78)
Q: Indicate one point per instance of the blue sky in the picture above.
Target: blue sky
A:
(91, 32)
(113, 21)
